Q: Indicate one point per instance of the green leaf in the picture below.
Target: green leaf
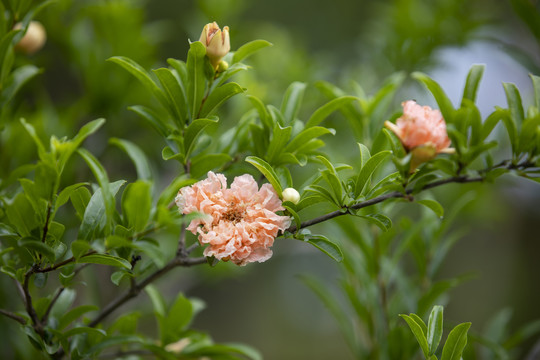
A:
(16, 80)
(5, 51)
(80, 199)
(103, 181)
(66, 193)
(218, 97)
(137, 204)
(447, 109)
(435, 328)
(514, 104)
(305, 136)
(21, 215)
(331, 177)
(193, 131)
(105, 259)
(362, 181)
(248, 49)
(74, 314)
(142, 75)
(267, 171)
(168, 154)
(39, 247)
(196, 78)
(536, 85)
(456, 342)
(324, 111)
(419, 321)
(32, 131)
(152, 118)
(83, 330)
(262, 111)
(175, 95)
(79, 248)
(203, 163)
(295, 216)
(136, 155)
(473, 80)
(365, 155)
(326, 246)
(280, 137)
(292, 101)
(94, 219)
(157, 300)
(178, 318)
(382, 221)
(433, 205)
(418, 334)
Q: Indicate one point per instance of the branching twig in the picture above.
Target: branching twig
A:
(13, 316)
(135, 289)
(51, 304)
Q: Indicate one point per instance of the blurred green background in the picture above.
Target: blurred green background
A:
(265, 305)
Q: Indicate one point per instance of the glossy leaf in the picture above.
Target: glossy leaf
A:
(324, 111)
(307, 135)
(142, 75)
(94, 219)
(435, 328)
(514, 103)
(105, 259)
(152, 118)
(326, 246)
(137, 204)
(74, 314)
(196, 78)
(363, 178)
(472, 83)
(218, 97)
(292, 100)
(445, 105)
(267, 171)
(249, 49)
(456, 342)
(175, 95)
(193, 132)
(418, 334)
(433, 205)
(136, 155)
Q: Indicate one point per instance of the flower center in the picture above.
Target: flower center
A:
(235, 213)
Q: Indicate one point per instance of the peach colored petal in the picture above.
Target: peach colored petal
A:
(242, 222)
(420, 125)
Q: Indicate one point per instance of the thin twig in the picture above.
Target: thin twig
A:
(28, 302)
(137, 288)
(13, 316)
(51, 304)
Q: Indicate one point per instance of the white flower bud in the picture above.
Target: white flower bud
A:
(290, 194)
(33, 40)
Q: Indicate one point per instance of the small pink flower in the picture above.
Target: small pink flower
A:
(241, 222)
(422, 131)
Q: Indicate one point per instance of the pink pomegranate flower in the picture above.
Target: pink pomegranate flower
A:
(422, 131)
(240, 223)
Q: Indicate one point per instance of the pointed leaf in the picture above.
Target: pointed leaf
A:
(218, 97)
(433, 205)
(362, 181)
(324, 111)
(447, 109)
(418, 334)
(105, 259)
(196, 78)
(292, 100)
(473, 80)
(248, 49)
(267, 171)
(456, 342)
(435, 328)
(136, 155)
(326, 246)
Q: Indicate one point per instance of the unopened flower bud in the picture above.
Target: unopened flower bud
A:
(33, 40)
(290, 194)
(216, 41)
(223, 66)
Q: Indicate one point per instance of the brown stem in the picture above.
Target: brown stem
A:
(137, 288)
(62, 263)
(13, 316)
(51, 304)
(28, 302)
